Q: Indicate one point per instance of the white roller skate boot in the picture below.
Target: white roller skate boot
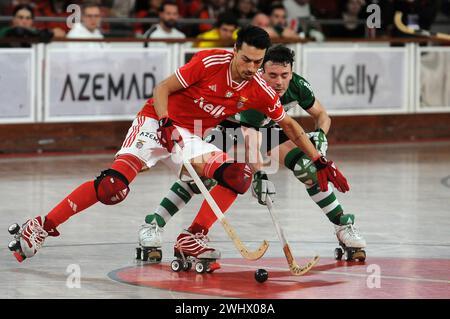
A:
(351, 241)
(194, 249)
(150, 242)
(29, 238)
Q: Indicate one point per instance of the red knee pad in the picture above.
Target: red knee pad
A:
(235, 176)
(111, 187)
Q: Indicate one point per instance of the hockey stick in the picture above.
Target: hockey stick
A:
(295, 269)
(251, 255)
(420, 32)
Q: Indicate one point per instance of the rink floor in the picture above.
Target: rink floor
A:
(400, 195)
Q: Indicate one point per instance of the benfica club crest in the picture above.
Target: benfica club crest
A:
(241, 102)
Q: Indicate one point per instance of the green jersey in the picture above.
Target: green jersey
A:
(299, 92)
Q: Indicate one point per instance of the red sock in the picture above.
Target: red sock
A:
(205, 218)
(81, 198)
(85, 195)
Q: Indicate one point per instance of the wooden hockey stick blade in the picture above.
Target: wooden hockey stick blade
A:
(247, 254)
(295, 269)
(251, 255)
(420, 32)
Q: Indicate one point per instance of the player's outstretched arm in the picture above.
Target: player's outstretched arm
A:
(326, 170)
(161, 94)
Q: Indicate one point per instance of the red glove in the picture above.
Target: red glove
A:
(327, 171)
(168, 134)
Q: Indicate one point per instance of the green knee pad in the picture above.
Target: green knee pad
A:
(302, 167)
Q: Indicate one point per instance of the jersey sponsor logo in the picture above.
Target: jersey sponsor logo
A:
(213, 88)
(149, 135)
(215, 111)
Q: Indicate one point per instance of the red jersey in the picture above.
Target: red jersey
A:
(210, 95)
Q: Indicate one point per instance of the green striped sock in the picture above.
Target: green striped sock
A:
(179, 195)
(327, 201)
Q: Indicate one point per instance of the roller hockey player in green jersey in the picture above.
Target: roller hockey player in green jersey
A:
(293, 90)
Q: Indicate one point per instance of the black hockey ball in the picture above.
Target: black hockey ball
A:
(261, 275)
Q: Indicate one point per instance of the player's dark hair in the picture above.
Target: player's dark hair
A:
(253, 36)
(167, 3)
(227, 17)
(23, 7)
(279, 54)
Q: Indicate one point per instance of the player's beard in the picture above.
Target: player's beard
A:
(247, 75)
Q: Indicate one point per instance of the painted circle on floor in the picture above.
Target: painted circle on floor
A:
(375, 278)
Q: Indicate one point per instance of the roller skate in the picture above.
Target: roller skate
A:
(150, 242)
(29, 238)
(351, 242)
(192, 249)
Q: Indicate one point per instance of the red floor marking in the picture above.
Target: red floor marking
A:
(400, 278)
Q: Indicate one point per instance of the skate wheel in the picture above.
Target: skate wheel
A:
(155, 255)
(338, 253)
(14, 229)
(13, 245)
(200, 267)
(187, 265)
(213, 266)
(144, 254)
(360, 255)
(138, 253)
(175, 265)
(18, 256)
(348, 255)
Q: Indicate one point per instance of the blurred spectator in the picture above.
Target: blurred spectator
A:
(225, 32)
(22, 27)
(321, 9)
(121, 9)
(351, 27)
(211, 10)
(151, 12)
(189, 8)
(278, 21)
(265, 6)
(301, 19)
(88, 28)
(166, 28)
(244, 9)
(263, 21)
(54, 8)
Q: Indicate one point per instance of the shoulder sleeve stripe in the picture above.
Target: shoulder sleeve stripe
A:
(281, 117)
(227, 58)
(265, 83)
(264, 86)
(181, 79)
(216, 56)
(217, 62)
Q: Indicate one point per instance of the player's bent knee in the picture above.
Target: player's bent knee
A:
(235, 176)
(111, 187)
(305, 171)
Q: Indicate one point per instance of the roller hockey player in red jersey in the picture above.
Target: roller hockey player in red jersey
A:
(214, 85)
(294, 91)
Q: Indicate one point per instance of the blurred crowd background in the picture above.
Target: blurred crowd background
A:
(317, 20)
